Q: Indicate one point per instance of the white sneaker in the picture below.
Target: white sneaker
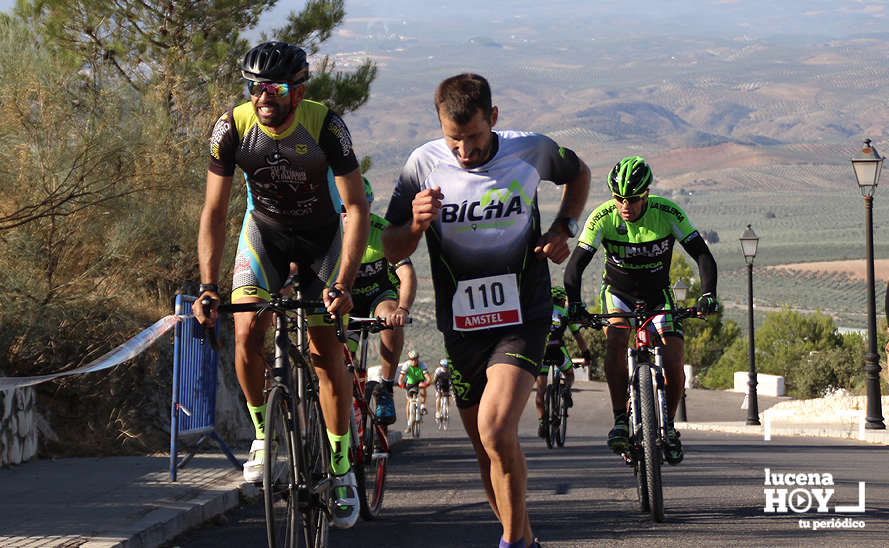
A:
(345, 500)
(423, 410)
(253, 467)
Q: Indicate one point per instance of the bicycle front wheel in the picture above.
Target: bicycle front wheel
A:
(375, 455)
(445, 404)
(650, 447)
(551, 403)
(415, 425)
(563, 416)
(315, 475)
(278, 481)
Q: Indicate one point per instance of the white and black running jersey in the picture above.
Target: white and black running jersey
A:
(489, 223)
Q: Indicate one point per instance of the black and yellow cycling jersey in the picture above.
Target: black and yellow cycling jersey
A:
(376, 279)
(290, 176)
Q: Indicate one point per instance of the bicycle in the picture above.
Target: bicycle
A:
(296, 474)
(369, 448)
(555, 409)
(441, 414)
(647, 403)
(415, 417)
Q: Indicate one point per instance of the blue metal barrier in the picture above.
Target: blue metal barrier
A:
(194, 391)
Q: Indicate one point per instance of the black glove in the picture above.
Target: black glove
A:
(587, 355)
(577, 311)
(707, 304)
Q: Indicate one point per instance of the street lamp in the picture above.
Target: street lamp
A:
(749, 241)
(680, 292)
(867, 165)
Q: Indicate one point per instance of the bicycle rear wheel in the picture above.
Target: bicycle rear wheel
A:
(563, 416)
(375, 455)
(315, 496)
(278, 482)
(650, 445)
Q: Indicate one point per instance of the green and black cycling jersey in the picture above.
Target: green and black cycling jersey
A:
(639, 253)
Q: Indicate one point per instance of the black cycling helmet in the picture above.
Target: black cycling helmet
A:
(275, 62)
(630, 177)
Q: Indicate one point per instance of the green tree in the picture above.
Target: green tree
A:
(705, 339)
(105, 110)
(786, 343)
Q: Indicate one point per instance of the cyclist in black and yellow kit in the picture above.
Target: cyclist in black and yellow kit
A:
(638, 233)
(299, 166)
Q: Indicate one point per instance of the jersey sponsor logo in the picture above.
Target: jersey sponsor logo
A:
(667, 208)
(651, 250)
(369, 290)
(220, 129)
(242, 263)
(604, 213)
(338, 128)
(369, 269)
(494, 204)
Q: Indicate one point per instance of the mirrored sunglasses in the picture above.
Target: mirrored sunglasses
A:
(628, 199)
(271, 89)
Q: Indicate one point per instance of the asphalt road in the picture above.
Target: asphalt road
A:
(582, 495)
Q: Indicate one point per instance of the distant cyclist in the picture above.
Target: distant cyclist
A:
(556, 355)
(442, 379)
(384, 291)
(638, 233)
(414, 374)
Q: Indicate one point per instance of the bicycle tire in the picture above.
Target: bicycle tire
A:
(316, 475)
(551, 410)
(446, 404)
(278, 482)
(375, 455)
(634, 450)
(563, 417)
(415, 426)
(650, 446)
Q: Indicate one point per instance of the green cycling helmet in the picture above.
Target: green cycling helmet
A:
(368, 190)
(559, 292)
(630, 177)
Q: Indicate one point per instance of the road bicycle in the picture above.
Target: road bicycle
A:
(296, 472)
(441, 413)
(555, 408)
(414, 416)
(647, 402)
(369, 448)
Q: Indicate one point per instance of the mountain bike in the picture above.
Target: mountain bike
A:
(647, 402)
(555, 408)
(441, 413)
(414, 417)
(369, 449)
(296, 475)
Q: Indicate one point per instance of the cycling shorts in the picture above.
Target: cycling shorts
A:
(472, 353)
(555, 355)
(443, 386)
(367, 307)
(666, 326)
(262, 264)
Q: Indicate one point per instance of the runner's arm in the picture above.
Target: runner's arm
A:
(400, 241)
(554, 242)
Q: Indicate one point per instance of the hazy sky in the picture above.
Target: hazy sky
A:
(560, 19)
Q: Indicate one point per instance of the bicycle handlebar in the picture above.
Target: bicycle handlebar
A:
(598, 321)
(372, 325)
(281, 304)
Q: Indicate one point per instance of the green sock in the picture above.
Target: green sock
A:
(339, 453)
(258, 416)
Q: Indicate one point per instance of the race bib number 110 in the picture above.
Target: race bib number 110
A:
(489, 302)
